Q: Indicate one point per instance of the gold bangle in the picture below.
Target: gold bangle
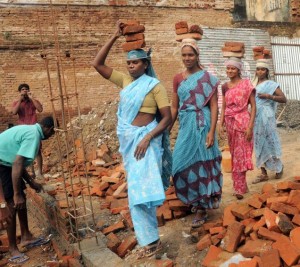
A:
(152, 136)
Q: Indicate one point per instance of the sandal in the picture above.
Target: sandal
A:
(19, 259)
(238, 196)
(278, 175)
(37, 242)
(150, 250)
(198, 222)
(261, 178)
(216, 203)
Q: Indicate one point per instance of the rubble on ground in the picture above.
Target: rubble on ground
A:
(263, 230)
(289, 118)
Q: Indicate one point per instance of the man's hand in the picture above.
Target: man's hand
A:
(30, 95)
(5, 217)
(19, 202)
(36, 186)
(22, 96)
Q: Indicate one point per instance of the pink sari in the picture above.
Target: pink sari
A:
(237, 118)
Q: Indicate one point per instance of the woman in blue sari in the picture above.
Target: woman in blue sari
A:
(196, 166)
(266, 140)
(143, 141)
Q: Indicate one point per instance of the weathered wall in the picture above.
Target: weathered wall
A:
(20, 47)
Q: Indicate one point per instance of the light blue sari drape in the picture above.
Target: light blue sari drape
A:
(266, 140)
(144, 177)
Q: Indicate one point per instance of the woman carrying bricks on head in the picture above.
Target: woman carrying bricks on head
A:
(238, 93)
(196, 170)
(141, 138)
(266, 140)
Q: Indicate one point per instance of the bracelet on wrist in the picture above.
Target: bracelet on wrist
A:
(152, 136)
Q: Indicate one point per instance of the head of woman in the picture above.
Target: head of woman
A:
(138, 63)
(262, 69)
(233, 67)
(190, 53)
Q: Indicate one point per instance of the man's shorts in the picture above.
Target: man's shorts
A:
(7, 184)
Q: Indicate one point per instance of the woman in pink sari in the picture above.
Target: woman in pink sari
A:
(238, 93)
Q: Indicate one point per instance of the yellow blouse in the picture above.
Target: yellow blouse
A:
(156, 98)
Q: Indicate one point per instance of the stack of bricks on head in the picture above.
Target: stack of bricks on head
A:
(259, 52)
(134, 35)
(233, 49)
(262, 231)
(183, 31)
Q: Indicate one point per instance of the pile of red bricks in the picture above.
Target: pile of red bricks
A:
(233, 49)
(183, 31)
(259, 52)
(134, 36)
(265, 229)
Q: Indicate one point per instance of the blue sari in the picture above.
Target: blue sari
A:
(196, 170)
(266, 140)
(144, 177)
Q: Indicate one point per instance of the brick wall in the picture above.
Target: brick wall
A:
(217, 4)
(20, 49)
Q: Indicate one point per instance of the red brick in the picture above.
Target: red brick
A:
(134, 37)
(4, 240)
(284, 208)
(211, 255)
(160, 220)
(3, 262)
(113, 242)
(52, 263)
(211, 224)
(74, 263)
(254, 202)
(241, 211)
(287, 251)
(118, 205)
(4, 249)
(258, 224)
(177, 205)
(233, 236)
(248, 263)
(283, 185)
(268, 188)
(296, 219)
(228, 217)
(130, 29)
(270, 218)
(216, 230)
(295, 237)
(270, 235)
(181, 24)
(182, 31)
(179, 214)
(257, 213)
(294, 198)
(171, 197)
(127, 245)
(282, 199)
(204, 242)
(127, 218)
(114, 228)
(270, 258)
(170, 190)
(253, 236)
(254, 248)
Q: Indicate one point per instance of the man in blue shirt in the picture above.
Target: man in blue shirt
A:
(19, 146)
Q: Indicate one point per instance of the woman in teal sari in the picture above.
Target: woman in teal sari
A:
(143, 141)
(266, 140)
(196, 168)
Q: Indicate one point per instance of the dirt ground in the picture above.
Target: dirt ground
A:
(175, 234)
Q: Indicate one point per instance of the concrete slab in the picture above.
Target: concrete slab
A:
(95, 255)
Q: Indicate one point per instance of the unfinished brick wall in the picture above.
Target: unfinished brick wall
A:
(20, 48)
